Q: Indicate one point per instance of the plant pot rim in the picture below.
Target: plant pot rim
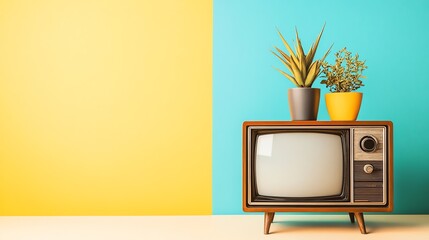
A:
(344, 93)
(305, 88)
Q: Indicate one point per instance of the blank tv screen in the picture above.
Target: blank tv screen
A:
(299, 165)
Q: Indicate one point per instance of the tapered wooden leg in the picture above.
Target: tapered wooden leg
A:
(361, 222)
(352, 217)
(268, 219)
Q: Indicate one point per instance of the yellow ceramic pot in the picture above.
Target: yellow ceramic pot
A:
(343, 106)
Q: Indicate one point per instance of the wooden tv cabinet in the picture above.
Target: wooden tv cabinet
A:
(367, 161)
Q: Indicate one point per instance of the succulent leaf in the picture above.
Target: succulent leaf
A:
(284, 61)
(289, 49)
(312, 73)
(297, 74)
(312, 51)
(286, 57)
(292, 79)
(299, 49)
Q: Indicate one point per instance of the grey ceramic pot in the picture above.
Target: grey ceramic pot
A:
(304, 103)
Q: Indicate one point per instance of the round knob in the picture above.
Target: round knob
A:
(368, 168)
(368, 144)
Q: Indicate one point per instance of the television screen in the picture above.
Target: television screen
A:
(304, 164)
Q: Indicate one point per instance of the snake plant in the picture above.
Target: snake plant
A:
(303, 69)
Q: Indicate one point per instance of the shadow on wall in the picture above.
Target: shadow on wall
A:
(411, 183)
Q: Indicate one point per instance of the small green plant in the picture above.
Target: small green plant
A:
(302, 67)
(345, 75)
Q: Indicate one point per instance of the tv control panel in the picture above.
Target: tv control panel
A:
(368, 165)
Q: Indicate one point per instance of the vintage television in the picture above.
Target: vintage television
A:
(317, 166)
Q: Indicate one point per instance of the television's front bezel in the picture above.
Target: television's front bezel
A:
(388, 204)
(351, 206)
(255, 198)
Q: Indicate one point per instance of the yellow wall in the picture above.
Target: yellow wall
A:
(105, 107)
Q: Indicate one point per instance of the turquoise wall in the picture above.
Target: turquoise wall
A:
(392, 36)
